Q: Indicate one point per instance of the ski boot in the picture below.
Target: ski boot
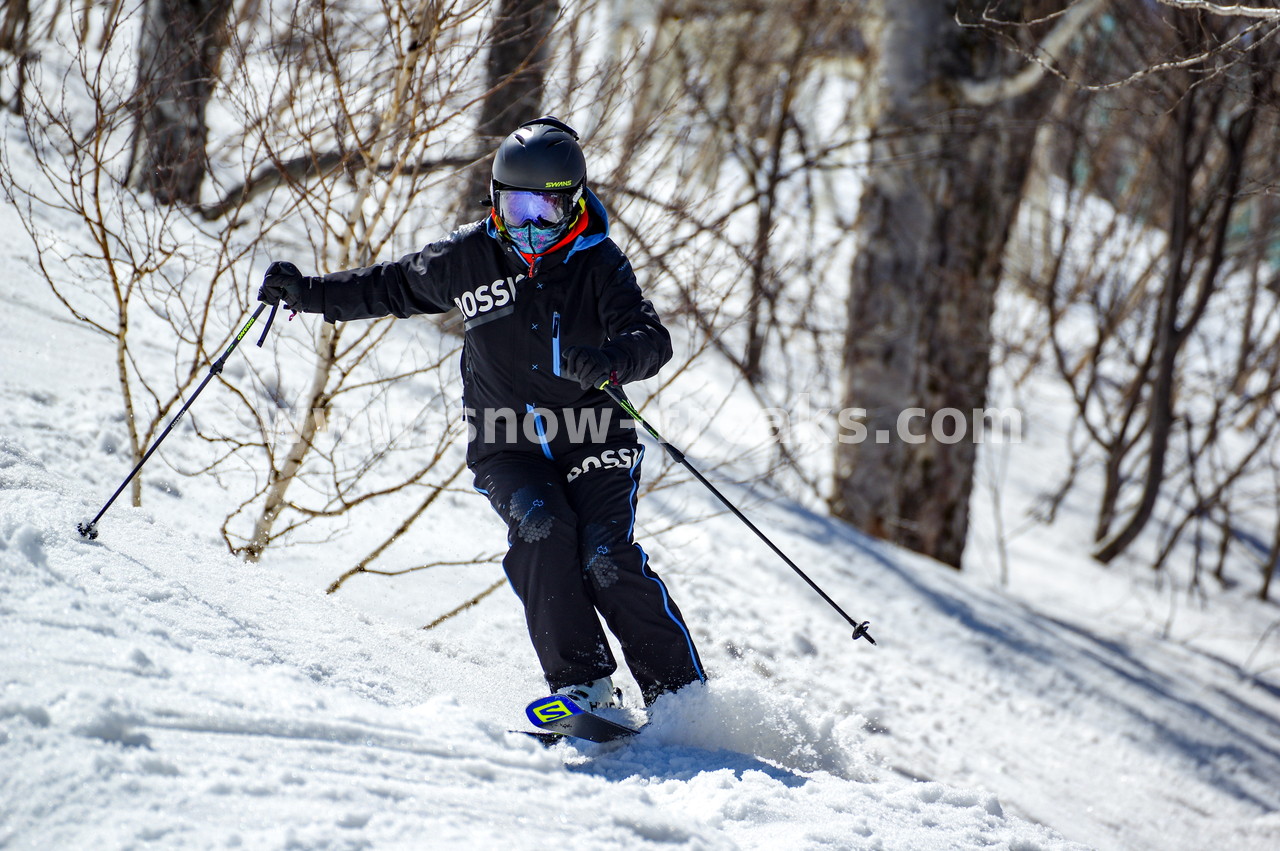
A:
(594, 694)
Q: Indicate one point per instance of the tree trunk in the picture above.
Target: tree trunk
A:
(1269, 569)
(934, 218)
(1174, 321)
(14, 26)
(15, 33)
(317, 406)
(179, 51)
(517, 70)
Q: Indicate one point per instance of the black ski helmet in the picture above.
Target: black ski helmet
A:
(542, 154)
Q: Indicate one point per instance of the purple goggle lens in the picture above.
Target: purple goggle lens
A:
(519, 207)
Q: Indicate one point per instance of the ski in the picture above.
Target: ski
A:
(547, 740)
(557, 714)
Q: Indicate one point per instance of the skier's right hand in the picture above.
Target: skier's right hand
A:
(283, 282)
(587, 365)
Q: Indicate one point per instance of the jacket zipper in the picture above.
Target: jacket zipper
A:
(555, 342)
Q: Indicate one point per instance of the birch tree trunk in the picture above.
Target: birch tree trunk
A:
(317, 405)
(935, 214)
(390, 140)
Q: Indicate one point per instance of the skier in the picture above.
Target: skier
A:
(551, 313)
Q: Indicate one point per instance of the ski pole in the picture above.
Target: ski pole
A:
(90, 530)
(615, 393)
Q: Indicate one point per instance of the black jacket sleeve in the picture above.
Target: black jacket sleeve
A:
(638, 343)
(416, 283)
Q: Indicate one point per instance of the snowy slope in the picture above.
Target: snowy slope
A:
(156, 690)
(158, 693)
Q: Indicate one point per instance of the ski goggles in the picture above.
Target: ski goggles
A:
(519, 207)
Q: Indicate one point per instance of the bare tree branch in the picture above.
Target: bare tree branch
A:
(1070, 23)
(1219, 9)
(473, 601)
(1043, 58)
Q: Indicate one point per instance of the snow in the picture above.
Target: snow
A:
(157, 692)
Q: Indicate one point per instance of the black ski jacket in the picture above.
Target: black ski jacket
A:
(518, 319)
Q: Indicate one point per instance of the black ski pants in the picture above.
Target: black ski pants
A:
(570, 523)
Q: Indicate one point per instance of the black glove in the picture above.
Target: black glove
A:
(283, 282)
(588, 366)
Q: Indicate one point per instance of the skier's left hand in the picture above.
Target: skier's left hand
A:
(587, 365)
(282, 282)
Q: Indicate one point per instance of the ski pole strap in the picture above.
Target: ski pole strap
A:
(271, 317)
